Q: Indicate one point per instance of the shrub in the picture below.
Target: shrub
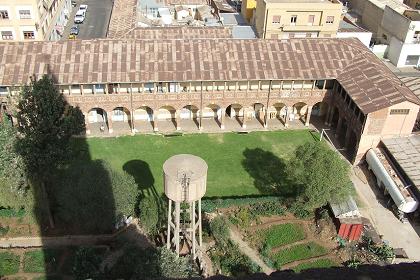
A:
(282, 234)
(149, 214)
(268, 208)
(9, 263)
(171, 266)
(210, 205)
(136, 263)
(300, 211)
(12, 213)
(298, 252)
(320, 263)
(220, 230)
(4, 230)
(86, 264)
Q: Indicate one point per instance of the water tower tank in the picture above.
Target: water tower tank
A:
(185, 178)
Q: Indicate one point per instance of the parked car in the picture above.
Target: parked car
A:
(72, 37)
(79, 17)
(83, 8)
(74, 30)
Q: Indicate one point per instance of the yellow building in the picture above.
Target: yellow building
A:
(247, 9)
(33, 19)
(297, 18)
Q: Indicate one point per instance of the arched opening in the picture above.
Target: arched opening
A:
(143, 117)
(235, 111)
(166, 116)
(258, 112)
(299, 111)
(190, 112)
(121, 118)
(212, 113)
(319, 109)
(98, 120)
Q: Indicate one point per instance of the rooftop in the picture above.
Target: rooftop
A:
(345, 26)
(179, 32)
(395, 5)
(367, 80)
(406, 152)
(303, 1)
(413, 83)
(123, 18)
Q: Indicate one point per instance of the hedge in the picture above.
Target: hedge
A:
(212, 204)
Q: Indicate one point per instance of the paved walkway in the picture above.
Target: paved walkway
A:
(69, 240)
(399, 235)
(236, 237)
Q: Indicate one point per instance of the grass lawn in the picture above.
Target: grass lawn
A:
(282, 234)
(321, 263)
(298, 252)
(39, 260)
(226, 154)
(9, 263)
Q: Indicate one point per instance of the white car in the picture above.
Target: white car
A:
(83, 8)
(79, 17)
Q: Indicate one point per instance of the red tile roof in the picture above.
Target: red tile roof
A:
(123, 18)
(370, 83)
(179, 32)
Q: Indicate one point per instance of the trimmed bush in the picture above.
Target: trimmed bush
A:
(279, 235)
(9, 263)
(11, 213)
(321, 263)
(211, 205)
(298, 252)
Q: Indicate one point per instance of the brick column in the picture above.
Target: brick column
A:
(155, 126)
(109, 120)
(244, 118)
(222, 118)
(308, 115)
(286, 119)
(133, 128)
(178, 119)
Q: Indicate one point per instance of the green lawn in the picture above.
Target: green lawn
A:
(298, 252)
(279, 235)
(228, 155)
(320, 263)
(9, 264)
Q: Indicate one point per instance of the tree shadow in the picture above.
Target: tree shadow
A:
(269, 172)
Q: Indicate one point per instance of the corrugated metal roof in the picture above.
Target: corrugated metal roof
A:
(366, 79)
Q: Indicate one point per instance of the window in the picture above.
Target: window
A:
(399, 111)
(311, 19)
(330, 20)
(24, 14)
(412, 59)
(276, 19)
(293, 20)
(4, 14)
(3, 91)
(28, 35)
(320, 84)
(154, 11)
(7, 35)
(416, 36)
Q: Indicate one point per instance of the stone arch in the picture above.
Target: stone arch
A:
(165, 113)
(143, 113)
(212, 111)
(277, 111)
(299, 110)
(97, 115)
(235, 110)
(121, 114)
(320, 109)
(189, 112)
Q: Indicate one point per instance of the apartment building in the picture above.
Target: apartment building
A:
(151, 83)
(22, 20)
(393, 24)
(277, 19)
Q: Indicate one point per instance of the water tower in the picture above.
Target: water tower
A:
(185, 178)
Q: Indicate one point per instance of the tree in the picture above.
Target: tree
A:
(320, 175)
(86, 264)
(46, 124)
(149, 214)
(171, 266)
(13, 184)
(91, 197)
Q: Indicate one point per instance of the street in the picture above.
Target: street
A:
(96, 22)
(399, 235)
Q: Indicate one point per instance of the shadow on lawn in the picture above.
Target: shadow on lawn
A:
(269, 172)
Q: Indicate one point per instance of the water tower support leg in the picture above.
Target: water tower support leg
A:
(200, 233)
(168, 238)
(177, 220)
(193, 230)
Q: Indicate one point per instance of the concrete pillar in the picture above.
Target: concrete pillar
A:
(109, 119)
(327, 115)
(133, 127)
(155, 126)
(339, 124)
(86, 115)
(308, 115)
(200, 120)
(222, 117)
(265, 112)
(178, 119)
(330, 117)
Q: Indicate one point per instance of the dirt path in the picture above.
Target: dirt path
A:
(236, 237)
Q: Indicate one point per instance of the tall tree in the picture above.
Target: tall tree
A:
(46, 123)
(13, 183)
(320, 175)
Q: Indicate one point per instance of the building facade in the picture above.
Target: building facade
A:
(393, 24)
(277, 19)
(22, 20)
(337, 81)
